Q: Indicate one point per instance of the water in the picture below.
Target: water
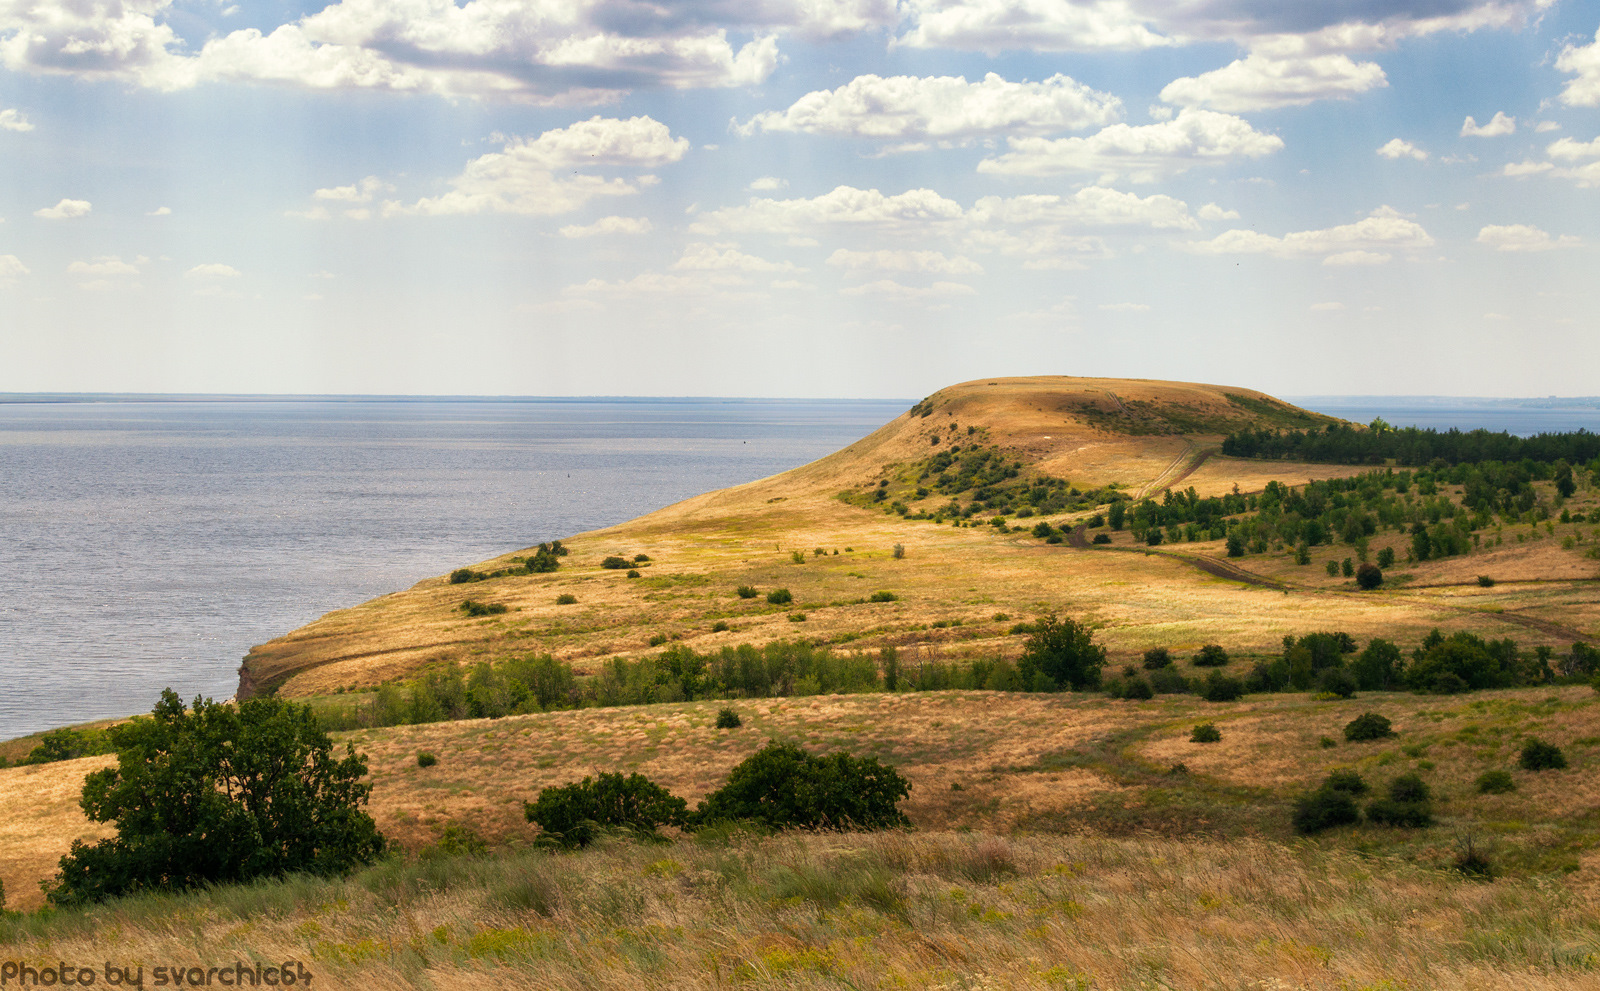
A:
(1523, 419)
(151, 544)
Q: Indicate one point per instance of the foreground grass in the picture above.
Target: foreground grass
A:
(897, 910)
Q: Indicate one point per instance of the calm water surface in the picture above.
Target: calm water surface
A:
(151, 544)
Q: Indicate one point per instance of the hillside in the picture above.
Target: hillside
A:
(1046, 448)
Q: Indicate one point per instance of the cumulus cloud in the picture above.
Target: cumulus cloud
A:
(1367, 241)
(12, 269)
(768, 184)
(725, 258)
(1585, 173)
(1498, 126)
(160, 211)
(844, 206)
(609, 225)
(904, 261)
(1213, 212)
(359, 192)
(1143, 153)
(942, 108)
(1263, 82)
(523, 179)
(1028, 25)
(212, 270)
(14, 120)
(1583, 63)
(1092, 206)
(1400, 148)
(65, 210)
(105, 265)
(1523, 237)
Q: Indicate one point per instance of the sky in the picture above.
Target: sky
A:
(818, 198)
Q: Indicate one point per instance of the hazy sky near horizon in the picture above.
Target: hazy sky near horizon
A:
(798, 197)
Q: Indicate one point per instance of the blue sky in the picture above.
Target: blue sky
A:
(798, 197)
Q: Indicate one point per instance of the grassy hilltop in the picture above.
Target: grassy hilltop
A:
(1061, 839)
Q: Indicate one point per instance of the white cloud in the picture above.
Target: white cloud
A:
(1125, 307)
(212, 270)
(609, 225)
(14, 120)
(523, 178)
(724, 258)
(1546, 126)
(942, 108)
(160, 211)
(1569, 150)
(360, 192)
(105, 265)
(1523, 237)
(1400, 148)
(1091, 206)
(1518, 169)
(1584, 64)
(65, 210)
(1366, 241)
(1143, 152)
(768, 184)
(888, 289)
(11, 269)
(1263, 82)
(904, 261)
(1028, 25)
(845, 206)
(1500, 125)
(1213, 212)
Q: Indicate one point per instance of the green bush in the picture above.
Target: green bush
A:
(1332, 568)
(1064, 652)
(633, 573)
(220, 794)
(640, 558)
(1211, 656)
(779, 597)
(614, 562)
(457, 840)
(1386, 557)
(798, 557)
(899, 551)
(1157, 658)
(546, 558)
(426, 759)
(1167, 681)
(1323, 809)
(728, 719)
(1369, 576)
(68, 744)
(1206, 733)
(472, 607)
(747, 591)
(462, 576)
(1347, 781)
(1137, 688)
(720, 626)
(1218, 687)
(1368, 726)
(1337, 681)
(781, 786)
(1101, 538)
(1486, 581)
(1538, 755)
(1408, 805)
(1496, 782)
(566, 599)
(883, 596)
(574, 815)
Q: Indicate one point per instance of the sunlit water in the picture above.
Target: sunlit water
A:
(151, 544)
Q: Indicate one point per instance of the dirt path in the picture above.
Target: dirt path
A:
(1076, 538)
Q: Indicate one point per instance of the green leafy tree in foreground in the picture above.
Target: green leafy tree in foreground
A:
(218, 794)
(781, 786)
(575, 814)
(1064, 651)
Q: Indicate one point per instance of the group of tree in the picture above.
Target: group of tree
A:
(1341, 444)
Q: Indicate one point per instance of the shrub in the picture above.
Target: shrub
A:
(1347, 781)
(632, 573)
(781, 786)
(426, 759)
(566, 599)
(883, 596)
(1332, 568)
(1486, 581)
(545, 559)
(640, 558)
(1408, 805)
(779, 597)
(797, 617)
(1137, 688)
(474, 608)
(574, 815)
(1323, 809)
(462, 576)
(1538, 755)
(1368, 726)
(720, 626)
(728, 719)
(1064, 652)
(1206, 733)
(1369, 576)
(1167, 681)
(1496, 782)
(1101, 538)
(1218, 687)
(68, 744)
(1211, 656)
(747, 591)
(899, 551)
(1157, 658)
(1386, 557)
(798, 557)
(1347, 568)
(220, 794)
(1153, 536)
(1302, 553)
(1337, 681)
(614, 562)
(1327, 743)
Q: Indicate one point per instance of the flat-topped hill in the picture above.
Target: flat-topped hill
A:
(906, 510)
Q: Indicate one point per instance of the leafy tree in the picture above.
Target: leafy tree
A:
(216, 794)
(574, 815)
(783, 787)
(1409, 804)
(1212, 655)
(68, 744)
(1538, 755)
(1218, 687)
(1368, 726)
(1323, 809)
(1385, 557)
(546, 558)
(1156, 658)
(1369, 576)
(1377, 667)
(1235, 545)
(1564, 480)
(1064, 651)
(1117, 514)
